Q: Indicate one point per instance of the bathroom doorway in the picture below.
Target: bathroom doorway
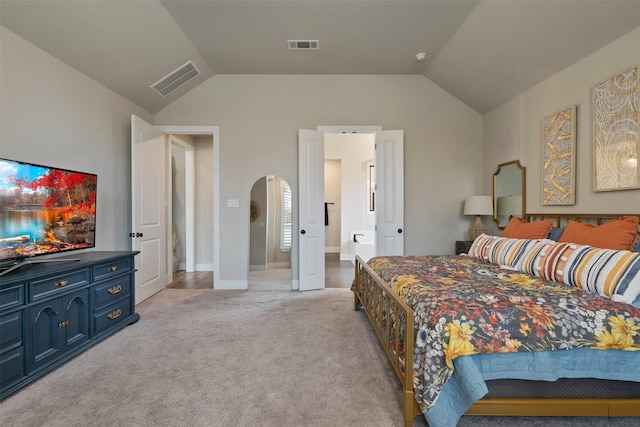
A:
(349, 208)
(349, 161)
(270, 234)
(389, 201)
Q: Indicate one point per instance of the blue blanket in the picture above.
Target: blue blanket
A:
(467, 384)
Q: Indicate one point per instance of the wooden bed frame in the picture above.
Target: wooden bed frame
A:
(380, 304)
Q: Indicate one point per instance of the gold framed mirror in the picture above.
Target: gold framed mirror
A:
(508, 192)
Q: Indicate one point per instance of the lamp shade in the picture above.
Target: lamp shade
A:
(478, 205)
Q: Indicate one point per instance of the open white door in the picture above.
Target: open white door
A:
(390, 192)
(311, 209)
(148, 208)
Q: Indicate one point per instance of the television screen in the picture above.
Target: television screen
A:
(45, 210)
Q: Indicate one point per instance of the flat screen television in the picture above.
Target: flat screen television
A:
(44, 210)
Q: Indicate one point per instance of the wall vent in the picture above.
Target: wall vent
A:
(303, 44)
(175, 79)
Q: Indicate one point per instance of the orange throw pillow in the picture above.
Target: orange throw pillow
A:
(619, 234)
(518, 228)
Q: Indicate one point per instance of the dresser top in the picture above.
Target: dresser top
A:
(35, 267)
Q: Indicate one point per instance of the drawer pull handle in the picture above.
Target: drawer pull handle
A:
(115, 290)
(112, 268)
(62, 283)
(115, 314)
(63, 324)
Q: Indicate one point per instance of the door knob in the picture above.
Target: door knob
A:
(302, 231)
(400, 230)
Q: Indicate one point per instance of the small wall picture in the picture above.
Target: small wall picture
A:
(615, 132)
(558, 154)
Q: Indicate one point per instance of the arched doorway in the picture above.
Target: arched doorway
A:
(270, 234)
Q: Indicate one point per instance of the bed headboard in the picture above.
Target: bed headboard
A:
(561, 220)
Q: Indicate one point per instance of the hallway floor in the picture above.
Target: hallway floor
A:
(338, 274)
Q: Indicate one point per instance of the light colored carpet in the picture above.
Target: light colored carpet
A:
(233, 358)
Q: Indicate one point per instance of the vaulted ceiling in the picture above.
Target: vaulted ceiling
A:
(482, 52)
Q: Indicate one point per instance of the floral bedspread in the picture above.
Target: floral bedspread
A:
(466, 306)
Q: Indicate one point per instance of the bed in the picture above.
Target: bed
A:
(495, 319)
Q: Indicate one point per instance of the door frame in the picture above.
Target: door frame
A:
(213, 131)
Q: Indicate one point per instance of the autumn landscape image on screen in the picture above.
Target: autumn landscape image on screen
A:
(45, 210)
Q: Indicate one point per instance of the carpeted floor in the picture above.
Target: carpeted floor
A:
(234, 358)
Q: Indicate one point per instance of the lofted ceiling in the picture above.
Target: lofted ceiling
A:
(482, 52)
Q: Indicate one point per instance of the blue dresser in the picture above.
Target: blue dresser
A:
(53, 311)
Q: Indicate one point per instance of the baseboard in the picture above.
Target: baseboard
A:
(332, 250)
(284, 264)
(238, 285)
(258, 268)
(204, 267)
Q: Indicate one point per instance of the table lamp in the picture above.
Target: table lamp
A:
(478, 206)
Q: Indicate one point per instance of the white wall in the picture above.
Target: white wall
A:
(204, 203)
(178, 195)
(333, 196)
(514, 130)
(258, 227)
(354, 151)
(259, 117)
(53, 115)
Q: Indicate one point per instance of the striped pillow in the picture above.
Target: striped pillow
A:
(608, 272)
(507, 252)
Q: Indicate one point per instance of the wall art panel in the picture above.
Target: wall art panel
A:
(558, 155)
(615, 131)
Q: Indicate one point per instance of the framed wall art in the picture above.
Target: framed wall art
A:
(558, 157)
(615, 132)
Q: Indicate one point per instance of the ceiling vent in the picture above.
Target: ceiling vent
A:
(303, 44)
(175, 79)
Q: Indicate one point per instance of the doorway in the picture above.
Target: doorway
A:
(389, 197)
(156, 262)
(349, 211)
(182, 184)
(348, 158)
(270, 232)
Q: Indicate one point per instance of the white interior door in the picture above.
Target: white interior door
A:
(390, 192)
(148, 208)
(311, 209)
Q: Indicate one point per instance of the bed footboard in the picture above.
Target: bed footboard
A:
(392, 320)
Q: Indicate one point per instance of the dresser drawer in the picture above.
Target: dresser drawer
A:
(113, 268)
(11, 367)
(43, 288)
(112, 316)
(12, 296)
(111, 291)
(11, 330)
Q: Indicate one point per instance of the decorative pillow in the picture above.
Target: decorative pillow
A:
(529, 261)
(618, 234)
(555, 233)
(608, 272)
(506, 252)
(479, 246)
(519, 228)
